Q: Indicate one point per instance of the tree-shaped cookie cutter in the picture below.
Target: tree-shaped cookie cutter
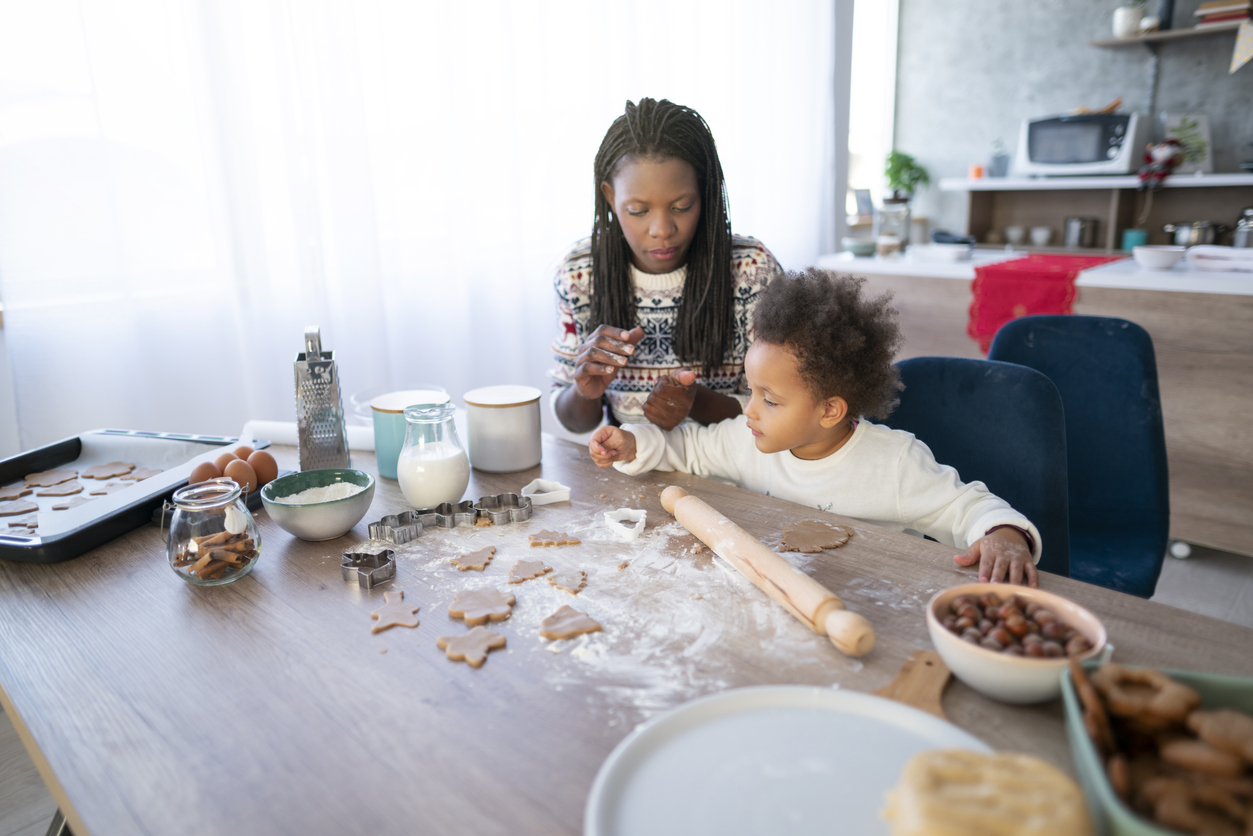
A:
(618, 522)
(504, 508)
(545, 492)
(369, 569)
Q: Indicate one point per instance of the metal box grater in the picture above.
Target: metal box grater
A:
(322, 435)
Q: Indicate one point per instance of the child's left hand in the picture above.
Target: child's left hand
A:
(1003, 555)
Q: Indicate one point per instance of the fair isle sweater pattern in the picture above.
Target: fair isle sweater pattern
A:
(752, 267)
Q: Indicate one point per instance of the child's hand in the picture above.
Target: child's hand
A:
(671, 399)
(611, 444)
(1002, 555)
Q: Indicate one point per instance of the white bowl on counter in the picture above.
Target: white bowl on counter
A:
(1157, 258)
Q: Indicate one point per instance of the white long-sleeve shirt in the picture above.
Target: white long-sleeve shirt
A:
(882, 476)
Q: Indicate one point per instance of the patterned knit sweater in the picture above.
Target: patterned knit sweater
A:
(657, 300)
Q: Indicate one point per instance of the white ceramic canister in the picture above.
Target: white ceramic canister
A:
(504, 430)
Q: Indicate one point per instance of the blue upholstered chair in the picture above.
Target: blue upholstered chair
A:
(997, 423)
(1106, 372)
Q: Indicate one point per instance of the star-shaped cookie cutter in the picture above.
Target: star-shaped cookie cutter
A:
(504, 508)
(369, 568)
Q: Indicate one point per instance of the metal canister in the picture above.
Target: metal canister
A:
(1242, 236)
(1080, 232)
(321, 432)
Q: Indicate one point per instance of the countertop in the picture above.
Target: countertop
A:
(1123, 274)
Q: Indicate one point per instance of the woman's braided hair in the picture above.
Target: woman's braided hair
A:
(704, 323)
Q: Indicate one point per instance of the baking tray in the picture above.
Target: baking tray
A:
(766, 759)
(63, 535)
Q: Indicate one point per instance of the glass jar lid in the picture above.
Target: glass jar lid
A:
(212, 493)
(427, 413)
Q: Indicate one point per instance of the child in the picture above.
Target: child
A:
(822, 359)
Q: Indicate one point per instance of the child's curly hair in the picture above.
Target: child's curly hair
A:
(843, 341)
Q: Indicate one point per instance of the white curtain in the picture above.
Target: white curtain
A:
(186, 184)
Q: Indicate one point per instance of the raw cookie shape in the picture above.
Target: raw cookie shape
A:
(627, 523)
(48, 478)
(553, 538)
(14, 492)
(475, 560)
(72, 502)
(13, 507)
(110, 487)
(572, 582)
(566, 623)
(524, 570)
(141, 473)
(29, 521)
(394, 612)
(63, 489)
(472, 647)
(476, 606)
(812, 536)
(108, 471)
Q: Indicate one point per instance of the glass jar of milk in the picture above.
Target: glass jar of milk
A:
(433, 466)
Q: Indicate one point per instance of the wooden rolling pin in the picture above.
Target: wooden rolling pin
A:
(800, 594)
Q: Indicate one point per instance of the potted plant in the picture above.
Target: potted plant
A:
(892, 221)
(904, 175)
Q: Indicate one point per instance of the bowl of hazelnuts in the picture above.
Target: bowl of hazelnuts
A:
(1010, 642)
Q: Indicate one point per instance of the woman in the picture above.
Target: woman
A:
(655, 308)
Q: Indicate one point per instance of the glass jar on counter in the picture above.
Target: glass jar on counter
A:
(892, 221)
(213, 538)
(433, 467)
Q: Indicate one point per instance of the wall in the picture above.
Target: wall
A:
(9, 445)
(969, 72)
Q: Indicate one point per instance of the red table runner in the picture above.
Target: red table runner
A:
(1034, 284)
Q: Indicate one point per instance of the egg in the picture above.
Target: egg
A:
(265, 466)
(203, 472)
(223, 460)
(242, 473)
(242, 452)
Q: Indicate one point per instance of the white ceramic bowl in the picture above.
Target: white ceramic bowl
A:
(1157, 258)
(1003, 677)
(319, 520)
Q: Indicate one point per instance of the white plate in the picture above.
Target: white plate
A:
(765, 760)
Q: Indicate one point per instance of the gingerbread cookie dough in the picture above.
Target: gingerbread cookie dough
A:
(28, 521)
(553, 538)
(108, 488)
(566, 623)
(572, 582)
(108, 471)
(812, 536)
(476, 606)
(48, 478)
(394, 612)
(524, 570)
(63, 489)
(471, 648)
(14, 492)
(13, 507)
(72, 502)
(475, 560)
(141, 473)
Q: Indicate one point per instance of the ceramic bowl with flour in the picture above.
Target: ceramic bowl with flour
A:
(319, 504)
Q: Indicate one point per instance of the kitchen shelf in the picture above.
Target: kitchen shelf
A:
(1129, 181)
(1170, 35)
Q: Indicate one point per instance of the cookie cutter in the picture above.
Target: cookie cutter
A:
(504, 508)
(447, 514)
(544, 492)
(369, 568)
(616, 520)
(396, 529)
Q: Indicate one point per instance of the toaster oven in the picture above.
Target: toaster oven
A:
(1088, 143)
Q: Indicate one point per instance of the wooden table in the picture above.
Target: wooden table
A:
(267, 706)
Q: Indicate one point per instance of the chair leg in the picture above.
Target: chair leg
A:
(1179, 549)
(59, 826)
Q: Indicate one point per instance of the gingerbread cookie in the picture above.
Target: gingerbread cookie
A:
(476, 606)
(812, 536)
(14, 507)
(1199, 756)
(471, 648)
(29, 521)
(14, 492)
(1228, 730)
(1095, 719)
(553, 538)
(72, 502)
(108, 488)
(571, 582)
(524, 570)
(566, 623)
(141, 473)
(63, 489)
(394, 612)
(1144, 694)
(48, 478)
(108, 471)
(475, 560)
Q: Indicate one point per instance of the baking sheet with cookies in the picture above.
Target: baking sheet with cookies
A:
(65, 498)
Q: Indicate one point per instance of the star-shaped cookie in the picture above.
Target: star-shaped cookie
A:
(566, 623)
(475, 560)
(476, 606)
(524, 570)
(472, 647)
(394, 612)
(553, 538)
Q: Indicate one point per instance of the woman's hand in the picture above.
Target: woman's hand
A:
(601, 357)
(671, 399)
(1003, 555)
(611, 444)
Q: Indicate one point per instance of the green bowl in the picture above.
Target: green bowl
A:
(320, 520)
(1120, 820)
